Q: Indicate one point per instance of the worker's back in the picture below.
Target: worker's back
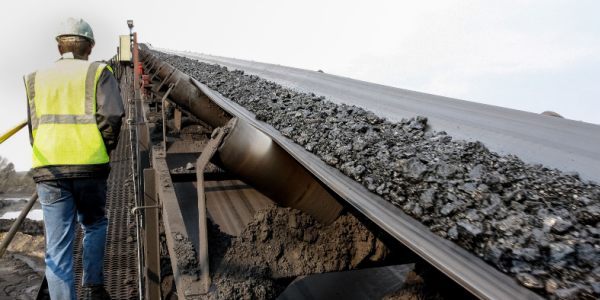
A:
(62, 109)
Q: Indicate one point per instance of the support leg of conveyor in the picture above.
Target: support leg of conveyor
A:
(203, 160)
(152, 240)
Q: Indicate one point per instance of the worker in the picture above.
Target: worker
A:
(75, 113)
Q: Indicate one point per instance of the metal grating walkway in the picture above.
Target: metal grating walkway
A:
(120, 260)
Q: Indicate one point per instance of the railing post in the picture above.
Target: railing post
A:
(136, 68)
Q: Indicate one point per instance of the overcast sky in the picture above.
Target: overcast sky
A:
(531, 55)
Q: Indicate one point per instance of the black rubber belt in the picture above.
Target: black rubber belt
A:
(466, 269)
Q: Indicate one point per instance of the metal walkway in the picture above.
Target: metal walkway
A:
(120, 260)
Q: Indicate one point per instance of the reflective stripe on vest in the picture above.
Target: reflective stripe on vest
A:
(62, 102)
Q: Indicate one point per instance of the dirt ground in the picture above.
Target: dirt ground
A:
(18, 280)
(28, 227)
(22, 266)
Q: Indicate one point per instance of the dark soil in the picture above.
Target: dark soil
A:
(28, 226)
(18, 280)
(538, 224)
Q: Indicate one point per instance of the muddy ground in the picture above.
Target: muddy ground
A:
(17, 279)
(11, 205)
(22, 266)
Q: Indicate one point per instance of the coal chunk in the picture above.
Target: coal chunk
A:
(413, 169)
(590, 214)
(469, 231)
(428, 198)
(551, 285)
(567, 294)
(561, 226)
(445, 170)
(587, 255)
(478, 172)
(530, 281)
(560, 251)
(452, 233)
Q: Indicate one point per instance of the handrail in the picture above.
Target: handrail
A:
(15, 227)
(12, 131)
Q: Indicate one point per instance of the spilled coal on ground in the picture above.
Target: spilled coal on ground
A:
(538, 224)
(281, 244)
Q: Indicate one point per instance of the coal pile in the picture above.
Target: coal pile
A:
(540, 225)
(228, 285)
(285, 243)
(281, 244)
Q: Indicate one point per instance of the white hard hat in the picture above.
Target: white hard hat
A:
(76, 27)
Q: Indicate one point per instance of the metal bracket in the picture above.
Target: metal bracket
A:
(162, 83)
(151, 237)
(137, 208)
(164, 124)
(208, 152)
(151, 77)
(150, 69)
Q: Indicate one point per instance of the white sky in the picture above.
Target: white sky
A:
(531, 55)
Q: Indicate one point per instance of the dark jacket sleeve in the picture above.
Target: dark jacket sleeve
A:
(28, 113)
(29, 121)
(109, 109)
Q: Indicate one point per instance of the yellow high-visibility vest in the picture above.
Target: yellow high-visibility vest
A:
(62, 102)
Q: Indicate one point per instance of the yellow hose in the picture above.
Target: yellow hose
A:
(12, 131)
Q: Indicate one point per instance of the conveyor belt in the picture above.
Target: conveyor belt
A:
(567, 145)
(468, 270)
(120, 259)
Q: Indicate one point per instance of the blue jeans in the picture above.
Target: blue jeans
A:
(64, 202)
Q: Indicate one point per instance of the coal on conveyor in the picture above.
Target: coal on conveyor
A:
(540, 225)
